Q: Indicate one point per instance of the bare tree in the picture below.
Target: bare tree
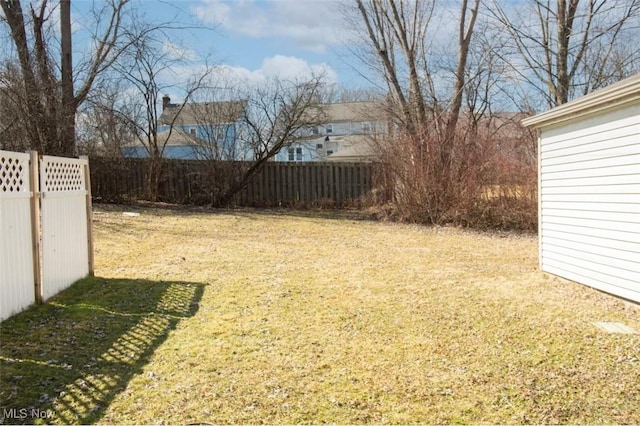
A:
(396, 31)
(565, 48)
(465, 32)
(238, 126)
(276, 112)
(399, 35)
(149, 70)
(45, 95)
(103, 124)
(211, 127)
(216, 113)
(11, 113)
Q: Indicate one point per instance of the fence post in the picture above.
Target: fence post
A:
(34, 163)
(89, 207)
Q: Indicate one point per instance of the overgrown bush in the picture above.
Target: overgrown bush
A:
(484, 178)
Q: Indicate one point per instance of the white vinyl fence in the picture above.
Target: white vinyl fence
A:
(64, 223)
(16, 252)
(45, 239)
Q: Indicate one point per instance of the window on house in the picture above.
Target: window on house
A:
(329, 152)
(366, 127)
(329, 128)
(192, 131)
(314, 130)
(319, 146)
(294, 154)
(221, 133)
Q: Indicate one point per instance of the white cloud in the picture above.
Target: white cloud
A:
(310, 24)
(278, 66)
(235, 78)
(288, 67)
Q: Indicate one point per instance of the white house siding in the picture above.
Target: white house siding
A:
(590, 199)
(347, 124)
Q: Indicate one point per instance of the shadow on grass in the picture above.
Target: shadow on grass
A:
(66, 360)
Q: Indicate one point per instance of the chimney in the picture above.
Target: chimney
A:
(166, 102)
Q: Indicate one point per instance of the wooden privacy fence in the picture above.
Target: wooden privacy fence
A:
(194, 182)
(45, 227)
(308, 184)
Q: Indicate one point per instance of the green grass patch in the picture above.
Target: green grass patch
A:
(259, 317)
(65, 361)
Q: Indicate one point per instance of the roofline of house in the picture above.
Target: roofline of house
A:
(194, 124)
(614, 95)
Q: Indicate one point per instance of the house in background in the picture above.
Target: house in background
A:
(346, 134)
(177, 145)
(197, 131)
(210, 130)
(589, 189)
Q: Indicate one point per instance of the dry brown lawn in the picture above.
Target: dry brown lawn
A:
(324, 318)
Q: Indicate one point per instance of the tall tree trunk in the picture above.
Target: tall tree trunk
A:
(387, 26)
(48, 104)
(68, 107)
(566, 16)
(465, 33)
(15, 19)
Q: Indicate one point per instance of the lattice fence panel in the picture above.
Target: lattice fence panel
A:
(44, 241)
(64, 223)
(14, 172)
(62, 175)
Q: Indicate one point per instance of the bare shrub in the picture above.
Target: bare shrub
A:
(488, 180)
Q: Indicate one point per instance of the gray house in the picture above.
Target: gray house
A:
(346, 134)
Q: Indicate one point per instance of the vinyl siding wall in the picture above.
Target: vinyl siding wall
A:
(590, 200)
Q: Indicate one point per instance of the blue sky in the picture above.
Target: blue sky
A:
(258, 38)
(278, 34)
(265, 38)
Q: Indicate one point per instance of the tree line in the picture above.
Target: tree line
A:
(454, 78)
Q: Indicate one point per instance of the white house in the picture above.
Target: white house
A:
(346, 133)
(589, 189)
